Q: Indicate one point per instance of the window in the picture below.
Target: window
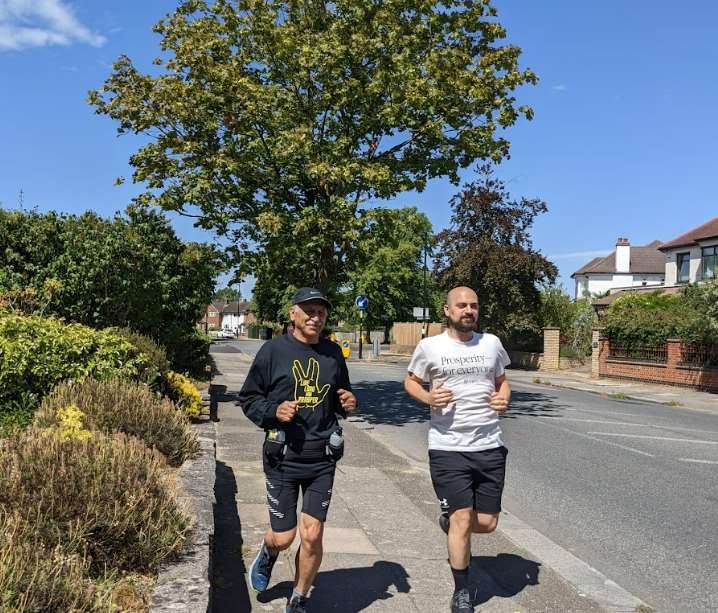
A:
(709, 262)
(684, 267)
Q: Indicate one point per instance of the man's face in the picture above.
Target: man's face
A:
(462, 310)
(309, 317)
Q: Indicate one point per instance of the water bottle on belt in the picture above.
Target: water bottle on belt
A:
(275, 445)
(335, 446)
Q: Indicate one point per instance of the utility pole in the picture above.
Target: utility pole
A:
(424, 327)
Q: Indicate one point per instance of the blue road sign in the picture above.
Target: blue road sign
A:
(362, 302)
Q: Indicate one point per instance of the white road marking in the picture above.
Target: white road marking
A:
(695, 461)
(626, 423)
(599, 440)
(657, 438)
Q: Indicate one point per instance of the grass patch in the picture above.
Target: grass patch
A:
(617, 395)
(674, 403)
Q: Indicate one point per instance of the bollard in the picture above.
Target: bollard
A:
(375, 347)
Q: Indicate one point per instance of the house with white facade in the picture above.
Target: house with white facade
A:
(236, 317)
(626, 267)
(692, 257)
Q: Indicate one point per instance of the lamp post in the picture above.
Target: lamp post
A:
(424, 326)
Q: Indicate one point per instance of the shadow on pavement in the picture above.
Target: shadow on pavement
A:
(229, 588)
(510, 573)
(349, 589)
(533, 404)
(386, 402)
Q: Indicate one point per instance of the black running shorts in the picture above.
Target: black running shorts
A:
(471, 479)
(309, 469)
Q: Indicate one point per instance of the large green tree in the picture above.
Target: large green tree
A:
(489, 248)
(272, 121)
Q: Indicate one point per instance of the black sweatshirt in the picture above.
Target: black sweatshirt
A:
(288, 369)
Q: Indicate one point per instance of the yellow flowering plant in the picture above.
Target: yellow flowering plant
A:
(71, 424)
(185, 394)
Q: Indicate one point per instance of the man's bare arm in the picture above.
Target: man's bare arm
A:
(502, 396)
(438, 397)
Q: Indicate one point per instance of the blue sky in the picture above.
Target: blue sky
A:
(622, 144)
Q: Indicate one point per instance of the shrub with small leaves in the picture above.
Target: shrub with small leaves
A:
(185, 394)
(114, 488)
(38, 352)
(123, 406)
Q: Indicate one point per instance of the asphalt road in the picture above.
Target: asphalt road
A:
(629, 487)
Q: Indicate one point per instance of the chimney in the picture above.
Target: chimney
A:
(623, 255)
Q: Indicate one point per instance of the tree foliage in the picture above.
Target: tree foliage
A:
(273, 120)
(130, 271)
(230, 294)
(576, 320)
(488, 248)
(388, 267)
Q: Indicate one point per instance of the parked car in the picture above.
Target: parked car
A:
(225, 334)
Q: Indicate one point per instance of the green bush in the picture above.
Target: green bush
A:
(38, 352)
(647, 320)
(188, 350)
(123, 406)
(114, 488)
(156, 354)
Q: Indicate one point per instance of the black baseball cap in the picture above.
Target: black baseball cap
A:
(305, 294)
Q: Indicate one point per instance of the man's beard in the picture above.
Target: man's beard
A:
(462, 325)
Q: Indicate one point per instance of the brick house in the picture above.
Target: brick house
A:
(212, 319)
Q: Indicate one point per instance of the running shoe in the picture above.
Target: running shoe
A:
(261, 570)
(461, 602)
(297, 605)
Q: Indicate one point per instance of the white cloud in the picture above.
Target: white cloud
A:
(39, 23)
(578, 254)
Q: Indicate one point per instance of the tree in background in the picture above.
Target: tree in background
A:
(388, 268)
(273, 121)
(228, 294)
(488, 248)
(129, 271)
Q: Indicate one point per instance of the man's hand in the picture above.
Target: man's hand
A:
(440, 397)
(347, 400)
(498, 402)
(287, 410)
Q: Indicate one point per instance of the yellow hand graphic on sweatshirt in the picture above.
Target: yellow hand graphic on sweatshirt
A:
(306, 384)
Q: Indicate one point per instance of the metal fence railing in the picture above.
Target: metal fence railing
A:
(656, 355)
(702, 356)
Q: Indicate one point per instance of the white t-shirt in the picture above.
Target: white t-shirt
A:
(469, 370)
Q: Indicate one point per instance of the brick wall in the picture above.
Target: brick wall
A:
(551, 349)
(670, 373)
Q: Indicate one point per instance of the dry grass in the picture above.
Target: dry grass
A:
(123, 406)
(39, 575)
(113, 491)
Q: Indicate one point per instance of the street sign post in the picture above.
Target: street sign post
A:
(362, 303)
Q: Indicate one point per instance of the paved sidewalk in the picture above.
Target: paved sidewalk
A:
(383, 548)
